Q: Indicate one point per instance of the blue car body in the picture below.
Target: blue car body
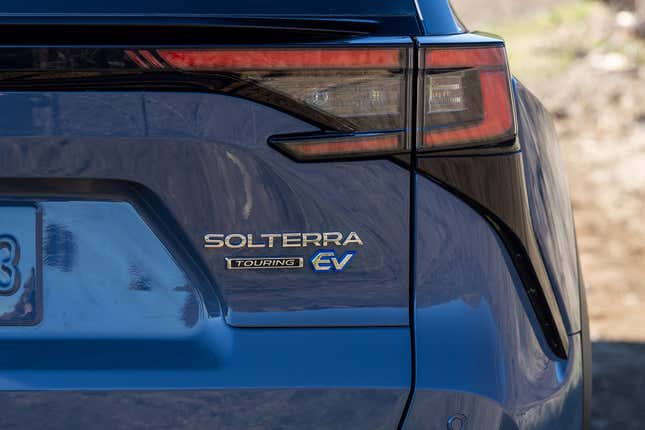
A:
(126, 195)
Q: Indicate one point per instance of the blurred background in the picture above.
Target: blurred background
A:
(586, 62)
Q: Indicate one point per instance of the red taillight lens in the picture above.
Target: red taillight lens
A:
(281, 59)
(365, 144)
(465, 98)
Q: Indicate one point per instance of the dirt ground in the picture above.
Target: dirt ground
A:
(584, 61)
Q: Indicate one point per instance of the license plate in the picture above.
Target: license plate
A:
(20, 281)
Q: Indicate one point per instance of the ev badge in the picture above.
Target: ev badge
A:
(326, 260)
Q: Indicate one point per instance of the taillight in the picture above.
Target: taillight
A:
(465, 98)
(361, 97)
(363, 90)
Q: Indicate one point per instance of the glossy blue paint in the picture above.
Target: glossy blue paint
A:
(548, 192)
(206, 159)
(479, 350)
(94, 274)
(439, 18)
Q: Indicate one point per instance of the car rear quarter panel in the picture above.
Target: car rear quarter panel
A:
(479, 350)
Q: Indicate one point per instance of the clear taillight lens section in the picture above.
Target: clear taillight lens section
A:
(370, 100)
(465, 98)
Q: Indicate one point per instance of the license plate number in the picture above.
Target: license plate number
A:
(20, 282)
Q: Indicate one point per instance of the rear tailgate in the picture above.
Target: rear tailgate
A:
(170, 258)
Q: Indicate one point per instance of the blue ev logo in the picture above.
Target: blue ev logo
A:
(327, 261)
